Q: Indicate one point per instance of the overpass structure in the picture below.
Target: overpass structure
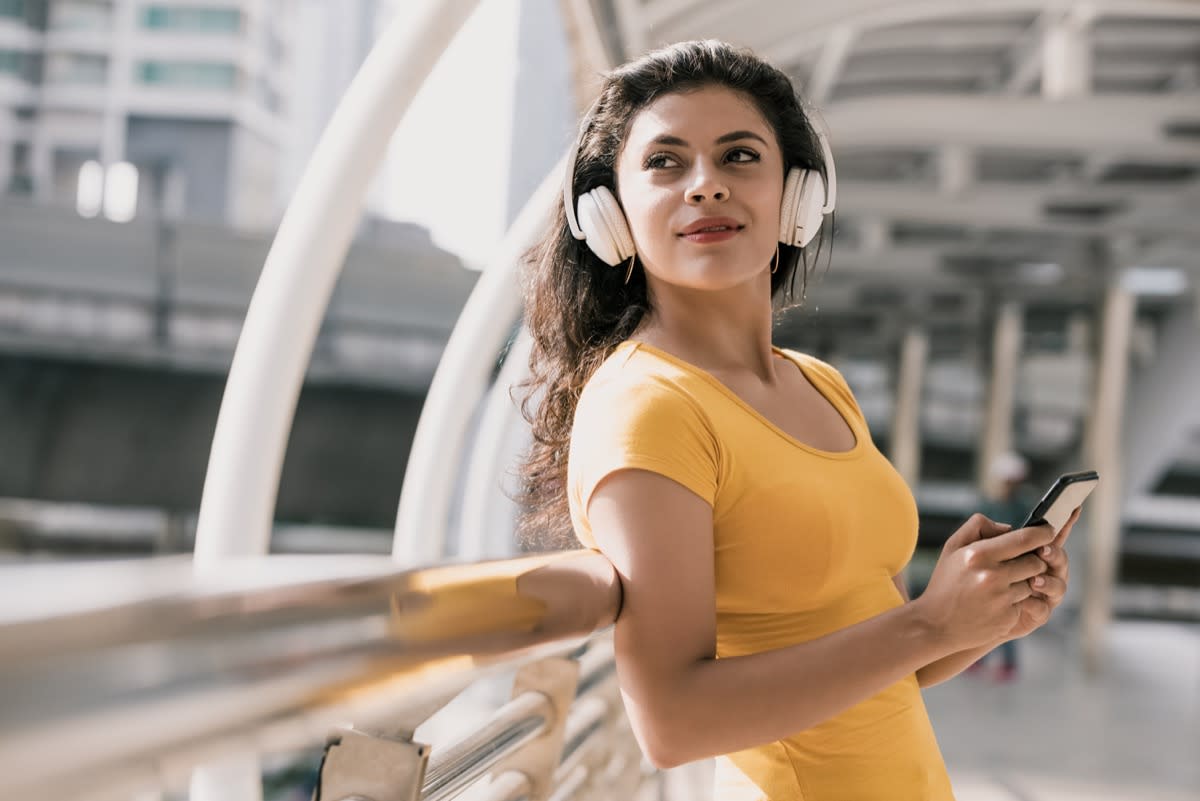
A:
(1018, 186)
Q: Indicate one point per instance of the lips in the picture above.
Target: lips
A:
(712, 225)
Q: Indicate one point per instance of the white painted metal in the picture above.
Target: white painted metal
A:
(461, 378)
(490, 456)
(460, 381)
(829, 65)
(289, 302)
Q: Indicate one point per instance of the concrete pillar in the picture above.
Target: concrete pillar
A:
(1066, 60)
(998, 422)
(906, 421)
(1103, 454)
(41, 168)
(6, 149)
(956, 169)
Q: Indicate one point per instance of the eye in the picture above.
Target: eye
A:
(659, 161)
(742, 155)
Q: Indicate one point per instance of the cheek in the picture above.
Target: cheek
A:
(649, 217)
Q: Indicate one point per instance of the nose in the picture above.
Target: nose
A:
(706, 184)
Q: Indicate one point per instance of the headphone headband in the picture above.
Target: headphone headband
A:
(569, 176)
(822, 131)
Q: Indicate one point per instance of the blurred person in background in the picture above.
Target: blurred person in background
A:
(758, 533)
(1010, 501)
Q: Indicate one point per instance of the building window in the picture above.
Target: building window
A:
(80, 15)
(12, 62)
(13, 9)
(196, 74)
(77, 68)
(191, 19)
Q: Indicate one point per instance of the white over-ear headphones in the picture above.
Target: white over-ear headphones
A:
(602, 224)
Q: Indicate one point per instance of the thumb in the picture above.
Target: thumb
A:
(976, 528)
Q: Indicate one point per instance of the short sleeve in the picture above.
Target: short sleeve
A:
(647, 424)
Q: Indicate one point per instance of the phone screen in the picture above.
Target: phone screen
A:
(1064, 497)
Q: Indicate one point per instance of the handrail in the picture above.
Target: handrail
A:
(105, 697)
(513, 725)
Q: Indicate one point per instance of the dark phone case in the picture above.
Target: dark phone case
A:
(1063, 481)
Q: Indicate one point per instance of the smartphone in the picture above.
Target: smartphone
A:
(1064, 497)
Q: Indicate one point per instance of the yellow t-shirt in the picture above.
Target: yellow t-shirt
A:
(806, 542)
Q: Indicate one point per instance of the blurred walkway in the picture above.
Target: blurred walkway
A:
(1132, 734)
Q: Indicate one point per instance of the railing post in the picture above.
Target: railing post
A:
(556, 678)
(368, 768)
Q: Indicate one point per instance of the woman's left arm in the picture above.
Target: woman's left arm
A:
(1035, 610)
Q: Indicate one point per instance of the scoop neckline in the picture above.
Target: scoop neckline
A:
(737, 399)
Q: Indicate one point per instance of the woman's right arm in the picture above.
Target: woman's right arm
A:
(685, 704)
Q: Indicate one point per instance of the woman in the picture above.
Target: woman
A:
(758, 533)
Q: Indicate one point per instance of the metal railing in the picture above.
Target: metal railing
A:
(118, 679)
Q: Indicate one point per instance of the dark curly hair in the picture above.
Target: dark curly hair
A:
(577, 308)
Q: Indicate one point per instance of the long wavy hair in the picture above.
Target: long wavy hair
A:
(579, 309)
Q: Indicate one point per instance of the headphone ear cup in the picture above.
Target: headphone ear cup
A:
(603, 223)
(809, 204)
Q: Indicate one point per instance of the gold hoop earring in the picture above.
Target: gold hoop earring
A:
(775, 263)
(629, 272)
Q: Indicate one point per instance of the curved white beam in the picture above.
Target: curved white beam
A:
(460, 381)
(462, 375)
(285, 313)
(500, 416)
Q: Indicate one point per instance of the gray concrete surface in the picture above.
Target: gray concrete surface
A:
(1057, 734)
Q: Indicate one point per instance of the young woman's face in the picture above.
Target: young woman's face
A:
(700, 178)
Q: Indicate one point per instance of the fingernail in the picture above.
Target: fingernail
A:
(1047, 550)
(1039, 581)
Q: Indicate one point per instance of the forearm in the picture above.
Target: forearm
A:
(951, 665)
(717, 706)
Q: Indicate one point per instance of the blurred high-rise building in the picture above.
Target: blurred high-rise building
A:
(185, 99)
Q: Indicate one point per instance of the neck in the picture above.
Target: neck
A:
(721, 331)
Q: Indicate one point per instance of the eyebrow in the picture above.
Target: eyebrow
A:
(667, 139)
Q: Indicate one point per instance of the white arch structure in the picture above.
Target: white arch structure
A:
(242, 482)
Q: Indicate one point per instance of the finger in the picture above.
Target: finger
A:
(994, 530)
(1036, 610)
(1023, 568)
(1061, 539)
(1017, 542)
(1018, 592)
(1054, 557)
(1049, 588)
(976, 528)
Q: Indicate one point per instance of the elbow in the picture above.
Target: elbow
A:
(927, 678)
(663, 745)
(662, 757)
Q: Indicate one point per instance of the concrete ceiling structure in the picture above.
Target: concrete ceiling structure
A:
(1025, 150)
